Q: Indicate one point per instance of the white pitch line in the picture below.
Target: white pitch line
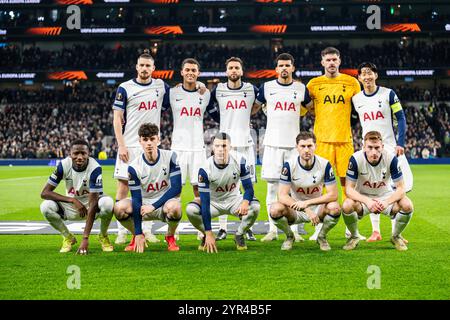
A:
(23, 178)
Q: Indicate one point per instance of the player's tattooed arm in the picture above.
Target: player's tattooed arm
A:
(93, 208)
(397, 178)
(255, 108)
(283, 195)
(117, 124)
(373, 205)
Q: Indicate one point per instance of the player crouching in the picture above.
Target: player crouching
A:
(300, 197)
(369, 190)
(84, 198)
(155, 185)
(219, 184)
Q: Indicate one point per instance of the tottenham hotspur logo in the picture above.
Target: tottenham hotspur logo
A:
(165, 171)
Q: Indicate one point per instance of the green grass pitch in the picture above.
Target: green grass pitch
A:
(32, 268)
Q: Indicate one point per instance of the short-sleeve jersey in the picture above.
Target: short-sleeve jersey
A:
(332, 106)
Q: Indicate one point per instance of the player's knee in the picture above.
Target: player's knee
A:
(121, 209)
(348, 206)
(193, 209)
(49, 208)
(173, 207)
(406, 205)
(333, 208)
(106, 204)
(276, 210)
(174, 211)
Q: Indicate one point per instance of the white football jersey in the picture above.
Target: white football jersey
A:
(224, 184)
(376, 114)
(374, 180)
(153, 179)
(78, 183)
(141, 103)
(188, 108)
(307, 183)
(283, 103)
(235, 107)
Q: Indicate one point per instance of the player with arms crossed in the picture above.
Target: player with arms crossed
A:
(300, 197)
(84, 198)
(331, 94)
(155, 185)
(283, 98)
(369, 190)
(137, 101)
(235, 100)
(219, 185)
(377, 108)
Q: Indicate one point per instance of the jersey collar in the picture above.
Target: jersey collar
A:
(314, 162)
(182, 87)
(371, 95)
(221, 168)
(373, 165)
(151, 164)
(87, 165)
(285, 85)
(143, 84)
(242, 84)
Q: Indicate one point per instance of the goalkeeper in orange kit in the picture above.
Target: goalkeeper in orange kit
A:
(332, 95)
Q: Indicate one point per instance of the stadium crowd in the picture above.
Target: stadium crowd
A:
(37, 128)
(169, 56)
(214, 15)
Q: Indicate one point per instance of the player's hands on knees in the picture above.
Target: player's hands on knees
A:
(140, 243)
(374, 206)
(79, 207)
(399, 150)
(147, 209)
(123, 153)
(243, 209)
(299, 205)
(210, 242)
(83, 249)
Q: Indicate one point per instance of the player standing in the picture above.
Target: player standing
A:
(369, 190)
(219, 185)
(283, 98)
(235, 100)
(188, 106)
(331, 94)
(155, 185)
(300, 197)
(84, 198)
(137, 101)
(378, 109)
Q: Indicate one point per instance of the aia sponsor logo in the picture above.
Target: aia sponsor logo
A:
(226, 188)
(157, 186)
(191, 112)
